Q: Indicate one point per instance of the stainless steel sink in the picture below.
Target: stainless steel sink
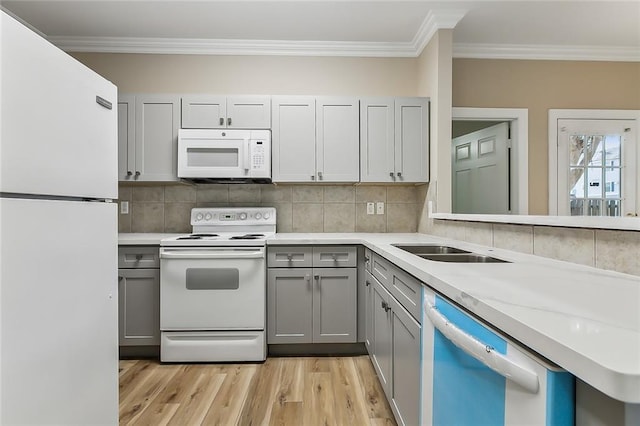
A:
(420, 250)
(462, 258)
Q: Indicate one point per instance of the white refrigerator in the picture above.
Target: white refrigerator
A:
(58, 236)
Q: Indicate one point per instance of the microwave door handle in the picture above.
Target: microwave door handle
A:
(247, 156)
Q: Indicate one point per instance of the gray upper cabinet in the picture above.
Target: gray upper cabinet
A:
(226, 112)
(315, 139)
(394, 140)
(148, 137)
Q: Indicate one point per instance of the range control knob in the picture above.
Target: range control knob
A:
(267, 215)
(207, 216)
(258, 215)
(243, 216)
(199, 216)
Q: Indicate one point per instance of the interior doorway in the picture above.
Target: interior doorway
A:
(480, 165)
(509, 160)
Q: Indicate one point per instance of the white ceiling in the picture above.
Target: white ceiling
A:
(598, 30)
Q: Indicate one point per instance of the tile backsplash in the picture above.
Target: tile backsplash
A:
(300, 208)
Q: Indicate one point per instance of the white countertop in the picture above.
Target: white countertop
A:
(584, 319)
(143, 238)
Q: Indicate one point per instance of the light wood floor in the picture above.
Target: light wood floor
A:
(291, 391)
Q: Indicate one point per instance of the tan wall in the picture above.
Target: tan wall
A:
(256, 74)
(540, 86)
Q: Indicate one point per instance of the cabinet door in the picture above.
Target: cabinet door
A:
(126, 137)
(412, 140)
(294, 139)
(337, 139)
(377, 140)
(157, 121)
(139, 307)
(405, 383)
(381, 340)
(334, 305)
(289, 305)
(249, 112)
(368, 311)
(203, 112)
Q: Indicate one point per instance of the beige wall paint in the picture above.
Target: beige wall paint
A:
(540, 86)
(256, 74)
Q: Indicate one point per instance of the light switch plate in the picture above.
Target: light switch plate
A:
(370, 208)
(380, 207)
(124, 207)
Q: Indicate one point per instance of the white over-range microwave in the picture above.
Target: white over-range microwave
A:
(227, 155)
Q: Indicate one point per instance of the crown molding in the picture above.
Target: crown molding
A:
(231, 47)
(546, 52)
(434, 21)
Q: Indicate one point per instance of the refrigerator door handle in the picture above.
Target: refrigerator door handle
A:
(484, 353)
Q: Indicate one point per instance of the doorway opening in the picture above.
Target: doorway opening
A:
(489, 160)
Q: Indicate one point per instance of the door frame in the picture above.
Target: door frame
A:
(576, 114)
(519, 119)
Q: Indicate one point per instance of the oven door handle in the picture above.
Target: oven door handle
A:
(213, 255)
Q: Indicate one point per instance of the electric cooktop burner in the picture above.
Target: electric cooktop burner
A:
(247, 237)
(196, 236)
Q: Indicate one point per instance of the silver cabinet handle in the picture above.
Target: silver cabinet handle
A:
(319, 175)
(399, 174)
(221, 121)
(334, 257)
(120, 278)
(229, 121)
(367, 283)
(137, 174)
(289, 257)
(366, 259)
(129, 173)
(307, 278)
(139, 257)
(391, 174)
(313, 177)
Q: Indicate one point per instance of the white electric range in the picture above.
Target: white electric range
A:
(213, 287)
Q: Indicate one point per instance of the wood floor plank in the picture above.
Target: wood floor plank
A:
(228, 403)
(196, 403)
(375, 400)
(143, 395)
(263, 391)
(286, 414)
(134, 375)
(349, 398)
(318, 405)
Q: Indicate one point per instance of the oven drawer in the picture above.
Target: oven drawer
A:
(213, 346)
(290, 257)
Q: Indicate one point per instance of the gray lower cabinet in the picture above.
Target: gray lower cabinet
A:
(393, 342)
(311, 304)
(138, 296)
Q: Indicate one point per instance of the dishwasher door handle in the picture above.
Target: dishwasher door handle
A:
(484, 353)
(212, 255)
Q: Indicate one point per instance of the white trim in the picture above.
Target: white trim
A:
(593, 222)
(433, 22)
(546, 52)
(575, 114)
(519, 129)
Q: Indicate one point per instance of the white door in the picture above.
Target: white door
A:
(480, 171)
(204, 112)
(411, 140)
(337, 140)
(596, 167)
(126, 137)
(294, 139)
(249, 112)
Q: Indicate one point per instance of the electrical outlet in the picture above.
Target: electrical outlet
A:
(370, 208)
(380, 207)
(124, 207)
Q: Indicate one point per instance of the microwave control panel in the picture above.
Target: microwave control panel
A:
(258, 155)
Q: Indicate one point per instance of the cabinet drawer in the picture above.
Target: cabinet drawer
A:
(289, 257)
(404, 287)
(334, 256)
(138, 257)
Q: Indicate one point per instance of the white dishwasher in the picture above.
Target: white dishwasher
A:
(471, 375)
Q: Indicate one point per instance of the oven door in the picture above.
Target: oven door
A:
(202, 154)
(212, 288)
